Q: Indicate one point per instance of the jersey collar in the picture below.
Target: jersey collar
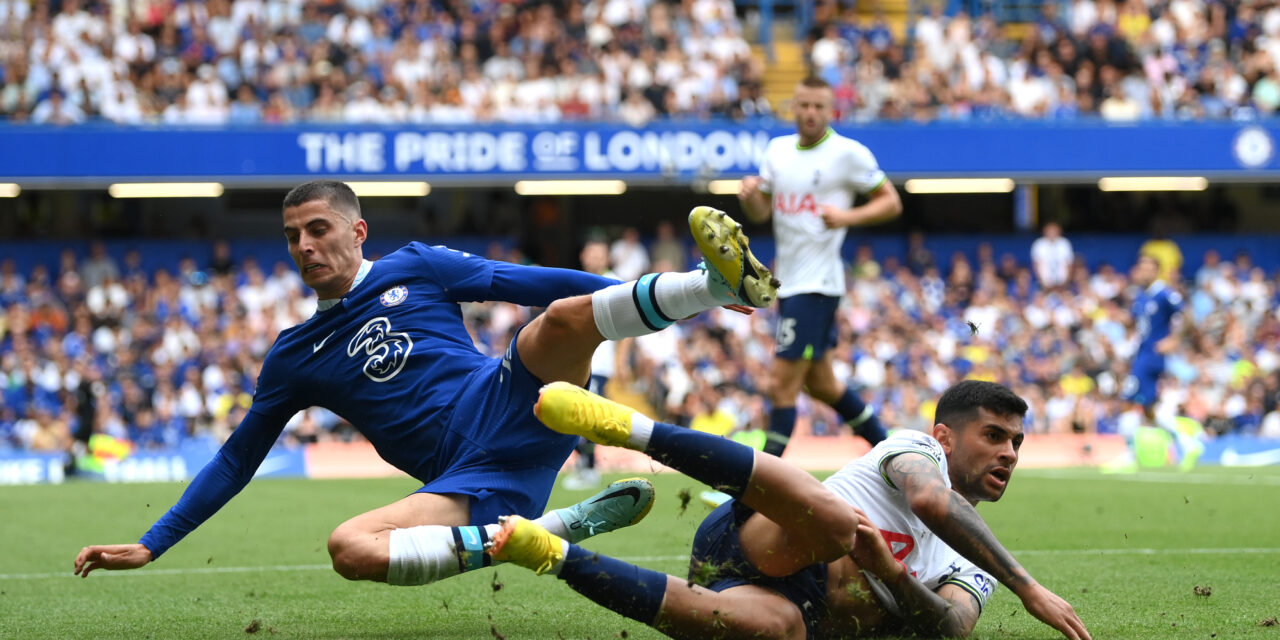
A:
(325, 305)
(821, 140)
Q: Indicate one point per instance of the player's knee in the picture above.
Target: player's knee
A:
(783, 623)
(568, 317)
(352, 557)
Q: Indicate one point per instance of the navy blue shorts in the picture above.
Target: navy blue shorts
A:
(1140, 385)
(494, 449)
(806, 326)
(717, 563)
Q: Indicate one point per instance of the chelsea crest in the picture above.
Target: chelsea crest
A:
(394, 296)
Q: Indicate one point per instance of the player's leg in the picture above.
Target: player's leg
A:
(802, 521)
(425, 537)
(806, 330)
(821, 383)
(786, 379)
(558, 344)
(667, 603)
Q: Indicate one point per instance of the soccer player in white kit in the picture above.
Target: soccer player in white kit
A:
(890, 543)
(807, 184)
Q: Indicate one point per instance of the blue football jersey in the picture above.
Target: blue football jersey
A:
(1153, 312)
(390, 358)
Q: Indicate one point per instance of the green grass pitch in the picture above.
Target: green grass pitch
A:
(1128, 552)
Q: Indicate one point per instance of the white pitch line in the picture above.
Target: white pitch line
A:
(1162, 478)
(1203, 551)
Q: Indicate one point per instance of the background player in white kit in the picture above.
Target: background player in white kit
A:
(790, 557)
(807, 183)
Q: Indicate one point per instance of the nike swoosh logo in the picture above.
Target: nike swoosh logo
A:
(629, 491)
(319, 345)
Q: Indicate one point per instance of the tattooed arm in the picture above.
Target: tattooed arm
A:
(951, 612)
(958, 524)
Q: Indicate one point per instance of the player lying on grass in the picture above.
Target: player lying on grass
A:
(792, 557)
(388, 351)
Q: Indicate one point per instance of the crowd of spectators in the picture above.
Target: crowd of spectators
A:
(365, 61)
(100, 345)
(452, 61)
(1120, 60)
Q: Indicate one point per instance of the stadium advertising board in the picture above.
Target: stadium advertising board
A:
(663, 153)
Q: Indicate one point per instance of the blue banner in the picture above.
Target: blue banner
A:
(664, 153)
(181, 463)
(1241, 451)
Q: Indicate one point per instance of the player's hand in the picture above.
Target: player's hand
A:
(1047, 607)
(750, 187)
(834, 216)
(1165, 346)
(111, 557)
(871, 552)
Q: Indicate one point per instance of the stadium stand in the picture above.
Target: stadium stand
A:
(279, 61)
(254, 61)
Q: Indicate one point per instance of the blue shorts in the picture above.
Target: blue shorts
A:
(494, 449)
(806, 326)
(717, 563)
(1140, 385)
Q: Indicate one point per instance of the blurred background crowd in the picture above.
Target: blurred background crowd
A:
(452, 61)
(101, 345)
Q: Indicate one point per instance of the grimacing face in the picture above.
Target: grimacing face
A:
(813, 111)
(981, 454)
(325, 245)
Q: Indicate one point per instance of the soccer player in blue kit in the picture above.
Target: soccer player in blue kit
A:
(1157, 319)
(387, 350)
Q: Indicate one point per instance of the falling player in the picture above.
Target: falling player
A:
(387, 350)
(792, 557)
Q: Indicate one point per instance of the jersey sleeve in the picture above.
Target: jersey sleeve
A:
(863, 171)
(767, 171)
(232, 466)
(910, 442)
(540, 286)
(975, 581)
(463, 276)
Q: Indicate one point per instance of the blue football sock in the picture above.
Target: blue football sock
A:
(782, 422)
(632, 591)
(719, 462)
(860, 416)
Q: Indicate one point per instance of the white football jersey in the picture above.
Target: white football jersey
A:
(862, 483)
(801, 180)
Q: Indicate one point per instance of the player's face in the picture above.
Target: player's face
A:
(325, 245)
(1144, 272)
(812, 108)
(982, 454)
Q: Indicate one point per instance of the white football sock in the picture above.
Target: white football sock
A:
(681, 295)
(424, 554)
(651, 303)
(552, 522)
(641, 429)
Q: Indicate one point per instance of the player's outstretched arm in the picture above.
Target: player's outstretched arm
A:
(952, 612)
(112, 557)
(754, 201)
(957, 523)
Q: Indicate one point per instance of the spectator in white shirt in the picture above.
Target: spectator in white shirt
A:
(1052, 255)
(630, 258)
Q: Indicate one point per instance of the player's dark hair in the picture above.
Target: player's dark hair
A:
(814, 82)
(336, 194)
(959, 404)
